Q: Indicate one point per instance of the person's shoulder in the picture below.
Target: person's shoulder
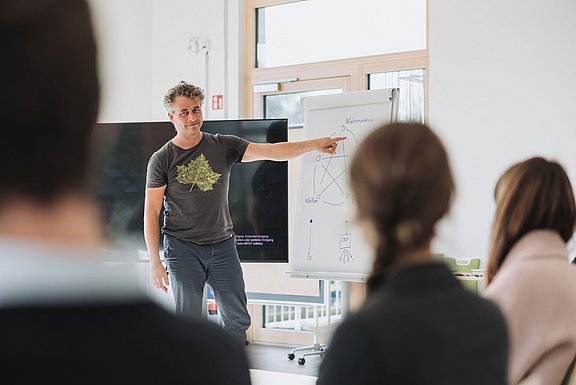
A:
(201, 345)
(218, 137)
(358, 327)
(198, 334)
(226, 140)
(195, 348)
(354, 355)
(482, 304)
(532, 284)
(214, 139)
(187, 329)
(209, 136)
(376, 314)
(160, 160)
(162, 151)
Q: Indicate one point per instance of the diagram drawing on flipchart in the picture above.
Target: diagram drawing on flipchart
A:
(326, 240)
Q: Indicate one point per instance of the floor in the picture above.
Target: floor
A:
(270, 366)
(264, 377)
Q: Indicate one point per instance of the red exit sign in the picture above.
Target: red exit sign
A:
(217, 102)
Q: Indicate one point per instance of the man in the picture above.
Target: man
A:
(65, 317)
(190, 175)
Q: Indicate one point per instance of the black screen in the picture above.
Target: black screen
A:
(258, 195)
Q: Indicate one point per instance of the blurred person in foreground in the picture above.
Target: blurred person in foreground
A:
(529, 275)
(65, 316)
(419, 325)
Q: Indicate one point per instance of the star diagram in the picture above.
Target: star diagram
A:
(198, 173)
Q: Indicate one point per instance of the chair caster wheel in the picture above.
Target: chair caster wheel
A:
(301, 361)
(291, 356)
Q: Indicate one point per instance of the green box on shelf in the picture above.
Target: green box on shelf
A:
(464, 266)
(467, 270)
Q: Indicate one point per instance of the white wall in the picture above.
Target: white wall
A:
(124, 39)
(143, 48)
(176, 22)
(502, 88)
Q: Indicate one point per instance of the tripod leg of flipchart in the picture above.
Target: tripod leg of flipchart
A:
(327, 298)
(345, 290)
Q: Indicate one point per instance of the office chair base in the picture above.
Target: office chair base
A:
(317, 350)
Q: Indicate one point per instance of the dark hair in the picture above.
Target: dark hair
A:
(183, 89)
(530, 195)
(402, 182)
(49, 97)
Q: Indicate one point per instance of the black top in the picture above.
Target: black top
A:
(137, 343)
(197, 181)
(421, 327)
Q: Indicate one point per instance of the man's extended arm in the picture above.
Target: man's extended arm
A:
(288, 150)
(152, 207)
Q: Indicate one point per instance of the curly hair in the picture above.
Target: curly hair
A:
(183, 89)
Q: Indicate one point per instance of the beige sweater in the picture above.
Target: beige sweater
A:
(536, 290)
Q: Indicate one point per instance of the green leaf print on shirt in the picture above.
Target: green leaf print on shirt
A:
(198, 173)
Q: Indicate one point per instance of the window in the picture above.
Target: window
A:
(295, 317)
(289, 105)
(319, 30)
(411, 85)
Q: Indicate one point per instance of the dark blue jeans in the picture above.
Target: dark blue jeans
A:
(191, 266)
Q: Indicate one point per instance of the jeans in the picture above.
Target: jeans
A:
(191, 266)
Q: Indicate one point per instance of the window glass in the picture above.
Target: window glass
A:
(318, 30)
(411, 84)
(294, 317)
(289, 105)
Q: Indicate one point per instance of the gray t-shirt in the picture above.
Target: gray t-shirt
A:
(196, 180)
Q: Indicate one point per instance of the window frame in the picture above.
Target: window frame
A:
(357, 69)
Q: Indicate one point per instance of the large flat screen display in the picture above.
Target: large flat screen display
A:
(258, 195)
